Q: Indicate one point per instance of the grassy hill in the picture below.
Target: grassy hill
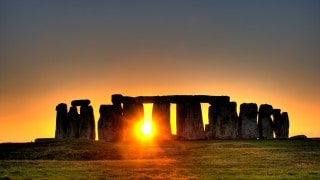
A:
(83, 159)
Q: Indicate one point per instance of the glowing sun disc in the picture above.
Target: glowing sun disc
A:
(146, 129)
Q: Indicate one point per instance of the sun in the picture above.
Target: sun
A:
(146, 129)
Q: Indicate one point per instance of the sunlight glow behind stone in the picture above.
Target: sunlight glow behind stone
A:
(146, 129)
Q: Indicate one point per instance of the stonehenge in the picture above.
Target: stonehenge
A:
(61, 121)
(281, 125)
(87, 123)
(225, 120)
(132, 113)
(117, 121)
(73, 125)
(108, 123)
(161, 115)
(248, 127)
(276, 114)
(265, 123)
(189, 121)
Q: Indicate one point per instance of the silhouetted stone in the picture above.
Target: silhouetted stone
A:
(61, 121)
(189, 120)
(87, 124)
(276, 114)
(180, 119)
(108, 124)
(248, 127)
(116, 99)
(81, 102)
(132, 114)
(161, 120)
(284, 125)
(73, 123)
(210, 129)
(173, 99)
(265, 123)
(225, 121)
(218, 100)
(299, 137)
(214, 112)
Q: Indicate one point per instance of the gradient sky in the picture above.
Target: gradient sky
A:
(253, 51)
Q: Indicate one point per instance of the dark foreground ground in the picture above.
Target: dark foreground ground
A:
(84, 159)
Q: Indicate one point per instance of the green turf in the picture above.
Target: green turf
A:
(225, 159)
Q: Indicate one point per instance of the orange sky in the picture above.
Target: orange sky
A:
(55, 51)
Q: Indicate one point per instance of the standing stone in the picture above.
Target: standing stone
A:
(132, 114)
(86, 126)
(284, 133)
(215, 109)
(180, 120)
(265, 124)
(61, 121)
(108, 129)
(190, 122)
(209, 128)
(116, 101)
(225, 121)
(73, 123)
(161, 120)
(248, 127)
(276, 114)
(207, 131)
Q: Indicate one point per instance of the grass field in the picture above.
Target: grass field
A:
(83, 159)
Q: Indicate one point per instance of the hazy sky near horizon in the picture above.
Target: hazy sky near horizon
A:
(253, 51)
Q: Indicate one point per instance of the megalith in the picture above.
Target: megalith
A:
(225, 120)
(161, 120)
(108, 124)
(189, 121)
(80, 102)
(132, 114)
(284, 125)
(86, 125)
(73, 123)
(61, 121)
(265, 123)
(248, 126)
(210, 128)
(116, 101)
(276, 114)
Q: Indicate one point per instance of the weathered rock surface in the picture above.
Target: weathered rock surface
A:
(61, 121)
(161, 120)
(214, 111)
(265, 123)
(189, 121)
(248, 126)
(73, 123)
(210, 128)
(225, 121)
(87, 123)
(109, 123)
(81, 102)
